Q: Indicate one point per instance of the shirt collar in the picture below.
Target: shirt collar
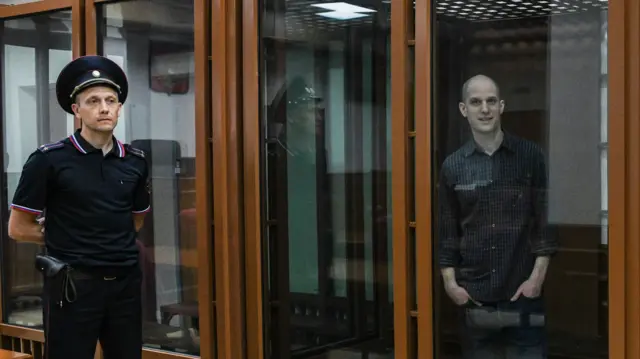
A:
(508, 142)
(85, 147)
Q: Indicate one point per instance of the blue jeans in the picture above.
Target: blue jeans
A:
(504, 330)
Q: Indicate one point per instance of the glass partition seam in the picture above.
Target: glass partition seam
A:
(276, 199)
(355, 249)
(325, 246)
(379, 187)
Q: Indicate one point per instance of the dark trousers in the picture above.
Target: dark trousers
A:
(107, 309)
(504, 330)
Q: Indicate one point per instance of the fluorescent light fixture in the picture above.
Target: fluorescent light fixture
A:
(343, 7)
(341, 15)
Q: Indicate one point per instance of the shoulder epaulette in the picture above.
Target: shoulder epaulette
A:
(51, 146)
(135, 151)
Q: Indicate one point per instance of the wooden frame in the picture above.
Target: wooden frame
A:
(624, 175)
(252, 158)
(36, 7)
(401, 30)
(227, 170)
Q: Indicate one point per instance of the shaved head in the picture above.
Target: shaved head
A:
(477, 79)
(481, 104)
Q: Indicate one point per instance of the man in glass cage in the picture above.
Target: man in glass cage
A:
(494, 241)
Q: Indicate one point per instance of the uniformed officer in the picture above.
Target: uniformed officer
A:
(95, 192)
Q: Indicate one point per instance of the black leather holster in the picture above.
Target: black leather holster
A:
(49, 266)
(58, 274)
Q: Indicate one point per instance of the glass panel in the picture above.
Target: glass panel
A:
(521, 161)
(34, 50)
(327, 117)
(153, 43)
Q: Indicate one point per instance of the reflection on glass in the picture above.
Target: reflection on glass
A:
(35, 49)
(16, 2)
(521, 164)
(153, 43)
(327, 142)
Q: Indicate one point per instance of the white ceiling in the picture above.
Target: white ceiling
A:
(478, 10)
(301, 20)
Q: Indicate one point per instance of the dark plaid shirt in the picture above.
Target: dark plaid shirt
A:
(493, 217)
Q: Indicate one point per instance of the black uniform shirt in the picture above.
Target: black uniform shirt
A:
(89, 200)
(493, 216)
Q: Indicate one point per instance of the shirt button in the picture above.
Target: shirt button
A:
(493, 270)
(493, 247)
(493, 225)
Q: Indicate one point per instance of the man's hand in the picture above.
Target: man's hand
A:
(458, 294)
(25, 227)
(530, 288)
(41, 223)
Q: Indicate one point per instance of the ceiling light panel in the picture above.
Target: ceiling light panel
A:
(341, 15)
(343, 7)
(485, 10)
(310, 19)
